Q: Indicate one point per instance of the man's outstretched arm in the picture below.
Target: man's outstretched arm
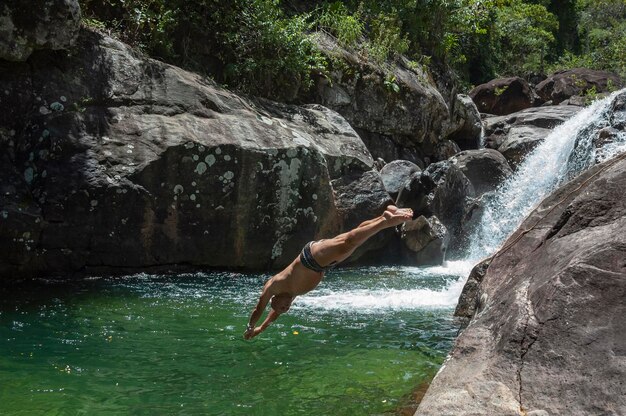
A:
(257, 312)
(271, 317)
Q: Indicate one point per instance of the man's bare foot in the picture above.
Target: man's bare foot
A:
(396, 216)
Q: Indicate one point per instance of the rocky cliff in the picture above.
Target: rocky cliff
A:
(113, 160)
(548, 333)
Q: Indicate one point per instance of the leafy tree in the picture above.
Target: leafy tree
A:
(524, 34)
(602, 31)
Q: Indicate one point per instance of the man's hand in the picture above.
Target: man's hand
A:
(252, 332)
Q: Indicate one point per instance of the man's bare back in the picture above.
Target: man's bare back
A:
(307, 270)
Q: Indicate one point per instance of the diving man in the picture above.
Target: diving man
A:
(307, 270)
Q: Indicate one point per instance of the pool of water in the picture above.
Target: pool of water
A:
(172, 344)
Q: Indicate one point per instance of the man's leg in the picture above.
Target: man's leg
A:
(338, 249)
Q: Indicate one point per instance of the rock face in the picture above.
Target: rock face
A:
(26, 26)
(575, 82)
(485, 168)
(449, 199)
(469, 300)
(503, 96)
(515, 135)
(441, 190)
(399, 114)
(111, 160)
(549, 336)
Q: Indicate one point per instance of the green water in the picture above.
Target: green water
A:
(172, 344)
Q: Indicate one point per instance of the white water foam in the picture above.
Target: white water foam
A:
(368, 300)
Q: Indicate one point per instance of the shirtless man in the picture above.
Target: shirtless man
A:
(307, 270)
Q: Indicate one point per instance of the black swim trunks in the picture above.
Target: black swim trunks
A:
(307, 260)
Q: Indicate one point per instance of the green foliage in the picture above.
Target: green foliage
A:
(524, 34)
(142, 23)
(500, 90)
(250, 45)
(94, 24)
(390, 83)
(256, 46)
(386, 38)
(347, 27)
(590, 95)
(602, 30)
(265, 53)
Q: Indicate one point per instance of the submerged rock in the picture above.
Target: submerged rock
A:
(115, 161)
(549, 336)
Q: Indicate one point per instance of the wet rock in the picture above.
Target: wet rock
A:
(441, 190)
(469, 301)
(607, 138)
(549, 337)
(517, 134)
(576, 82)
(114, 161)
(446, 149)
(396, 174)
(503, 96)
(26, 26)
(427, 239)
(485, 168)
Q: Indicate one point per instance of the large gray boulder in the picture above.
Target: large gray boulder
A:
(486, 169)
(449, 199)
(112, 161)
(549, 335)
(515, 135)
(396, 174)
(441, 190)
(27, 25)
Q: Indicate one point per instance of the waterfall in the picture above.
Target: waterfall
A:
(564, 153)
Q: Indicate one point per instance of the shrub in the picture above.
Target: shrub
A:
(346, 27)
(250, 45)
